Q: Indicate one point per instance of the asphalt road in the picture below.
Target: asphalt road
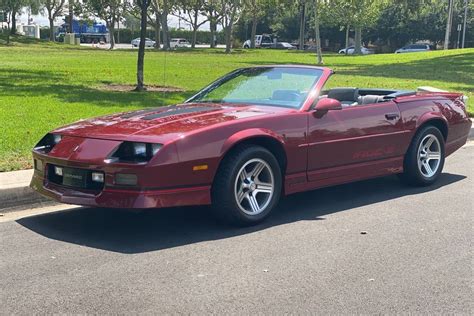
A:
(310, 257)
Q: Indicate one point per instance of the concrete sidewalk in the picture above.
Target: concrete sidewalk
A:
(15, 191)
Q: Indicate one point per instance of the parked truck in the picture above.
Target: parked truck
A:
(261, 41)
(87, 32)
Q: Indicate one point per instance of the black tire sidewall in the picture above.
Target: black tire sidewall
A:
(223, 196)
(411, 162)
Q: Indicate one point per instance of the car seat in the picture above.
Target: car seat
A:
(347, 96)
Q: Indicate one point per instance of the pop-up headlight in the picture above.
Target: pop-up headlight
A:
(132, 152)
(47, 143)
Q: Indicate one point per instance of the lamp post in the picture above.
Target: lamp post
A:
(465, 22)
(448, 25)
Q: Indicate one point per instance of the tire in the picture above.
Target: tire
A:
(421, 168)
(235, 179)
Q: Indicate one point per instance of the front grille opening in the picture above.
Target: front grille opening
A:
(74, 178)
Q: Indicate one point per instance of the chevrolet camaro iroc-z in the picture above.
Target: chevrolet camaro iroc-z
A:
(247, 139)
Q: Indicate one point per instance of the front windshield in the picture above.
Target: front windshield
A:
(277, 86)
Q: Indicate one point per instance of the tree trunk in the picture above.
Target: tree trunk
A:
(319, 52)
(254, 31)
(213, 29)
(348, 27)
(13, 19)
(141, 48)
(195, 28)
(111, 28)
(51, 29)
(157, 31)
(228, 39)
(302, 26)
(164, 26)
(358, 40)
(8, 27)
(229, 28)
(118, 30)
(193, 44)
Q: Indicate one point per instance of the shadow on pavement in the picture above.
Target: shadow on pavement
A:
(136, 232)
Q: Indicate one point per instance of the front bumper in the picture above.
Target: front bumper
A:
(120, 198)
(112, 196)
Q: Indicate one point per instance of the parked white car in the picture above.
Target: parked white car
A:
(179, 43)
(350, 50)
(413, 48)
(148, 42)
(284, 45)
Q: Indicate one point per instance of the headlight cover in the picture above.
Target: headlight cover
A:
(132, 152)
(47, 143)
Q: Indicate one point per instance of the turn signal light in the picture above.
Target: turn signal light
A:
(200, 167)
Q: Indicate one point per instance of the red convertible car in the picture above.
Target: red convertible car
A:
(248, 138)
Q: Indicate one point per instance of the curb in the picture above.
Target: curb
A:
(15, 191)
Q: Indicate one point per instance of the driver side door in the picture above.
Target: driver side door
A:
(355, 142)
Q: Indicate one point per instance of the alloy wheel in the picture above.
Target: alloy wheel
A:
(429, 155)
(254, 186)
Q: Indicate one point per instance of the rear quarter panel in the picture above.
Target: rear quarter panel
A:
(448, 108)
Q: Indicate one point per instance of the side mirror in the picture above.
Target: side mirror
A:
(326, 104)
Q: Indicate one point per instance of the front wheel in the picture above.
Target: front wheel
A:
(247, 186)
(424, 159)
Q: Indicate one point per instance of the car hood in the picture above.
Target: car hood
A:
(164, 123)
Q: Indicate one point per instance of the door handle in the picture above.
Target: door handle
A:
(392, 116)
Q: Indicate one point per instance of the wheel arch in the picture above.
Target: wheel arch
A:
(263, 138)
(435, 120)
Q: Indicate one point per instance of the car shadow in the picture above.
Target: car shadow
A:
(132, 232)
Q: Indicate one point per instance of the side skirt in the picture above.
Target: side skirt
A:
(343, 174)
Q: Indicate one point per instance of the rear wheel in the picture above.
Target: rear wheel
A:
(424, 159)
(247, 186)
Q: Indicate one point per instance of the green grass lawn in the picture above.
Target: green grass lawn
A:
(43, 86)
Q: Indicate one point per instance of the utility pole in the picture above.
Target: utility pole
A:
(71, 15)
(448, 25)
(465, 22)
(302, 24)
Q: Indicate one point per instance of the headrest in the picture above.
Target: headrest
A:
(344, 94)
